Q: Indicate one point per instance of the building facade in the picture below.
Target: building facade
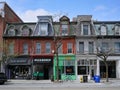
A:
(65, 49)
(6, 15)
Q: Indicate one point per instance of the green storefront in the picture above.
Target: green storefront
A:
(67, 69)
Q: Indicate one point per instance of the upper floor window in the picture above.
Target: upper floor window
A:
(69, 47)
(117, 47)
(64, 29)
(25, 31)
(43, 29)
(91, 47)
(11, 31)
(81, 47)
(25, 48)
(85, 30)
(38, 48)
(105, 46)
(103, 30)
(117, 30)
(60, 49)
(11, 48)
(48, 47)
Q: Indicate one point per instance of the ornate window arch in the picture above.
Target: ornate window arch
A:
(11, 30)
(26, 31)
(103, 29)
(116, 29)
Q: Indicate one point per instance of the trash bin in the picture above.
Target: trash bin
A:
(85, 78)
(97, 78)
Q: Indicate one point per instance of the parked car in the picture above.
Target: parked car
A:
(3, 78)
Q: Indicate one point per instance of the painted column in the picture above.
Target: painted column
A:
(98, 67)
(118, 69)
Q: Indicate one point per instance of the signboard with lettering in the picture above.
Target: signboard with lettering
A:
(42, 60)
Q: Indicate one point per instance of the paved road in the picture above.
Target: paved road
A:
(47, 85)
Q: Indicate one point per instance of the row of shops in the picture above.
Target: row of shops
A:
(25, 67)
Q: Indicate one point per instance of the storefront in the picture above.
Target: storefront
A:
(66, 67)
(42, 67)
(18, 67)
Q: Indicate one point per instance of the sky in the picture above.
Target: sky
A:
(101, 10)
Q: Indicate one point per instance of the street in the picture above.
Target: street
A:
(47, 85)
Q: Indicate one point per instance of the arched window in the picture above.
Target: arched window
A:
(25, 31)
(11, 31)
(117, 30)
(103, 30)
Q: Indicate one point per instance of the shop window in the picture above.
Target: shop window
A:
(69, 66)
(82, 70)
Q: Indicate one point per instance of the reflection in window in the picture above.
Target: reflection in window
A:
(91, 47)
(81, 47)
(105, 46)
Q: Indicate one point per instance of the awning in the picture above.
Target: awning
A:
(19, 61)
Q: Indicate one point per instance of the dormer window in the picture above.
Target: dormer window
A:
(85, 29)
(43, 29)
(117, 30)
(11, 31)
(103, 30)
(25, 31)
(64, 29)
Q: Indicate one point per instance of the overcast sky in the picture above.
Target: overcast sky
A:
(101, 10)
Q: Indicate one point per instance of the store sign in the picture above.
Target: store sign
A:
(42, 60)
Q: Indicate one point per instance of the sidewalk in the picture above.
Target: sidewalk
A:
(48, 83)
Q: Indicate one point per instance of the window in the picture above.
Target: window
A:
(64, 29)
(11, 48)
(48, 48)
(81, 47)
(25, 48)
(69, 67)
(25, 31)
(85, 30)
(43, 29)
(91, 47)
(11, 32)
(38, 48)
(117, 47)
(105, 46)
(69, 48)
(103, 30)
(117, 30)
(60, 48)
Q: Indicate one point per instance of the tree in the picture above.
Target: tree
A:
(104, 56)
